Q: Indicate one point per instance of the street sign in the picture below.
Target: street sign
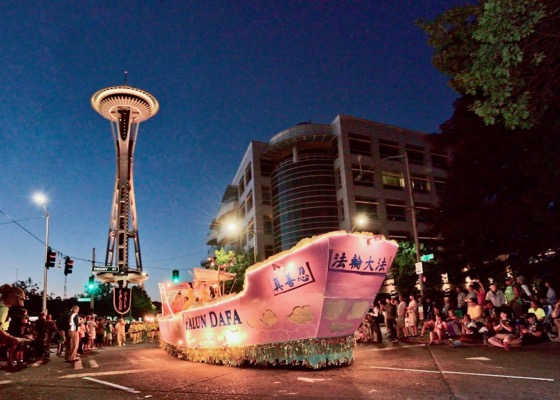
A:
(427, 257)
(105, 268)
(84, 299)
(419, 269)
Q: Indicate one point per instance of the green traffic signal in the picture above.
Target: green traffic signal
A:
(91, 283)
(175, 276)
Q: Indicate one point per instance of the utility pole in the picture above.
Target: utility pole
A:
(413, 220)
(92, 292)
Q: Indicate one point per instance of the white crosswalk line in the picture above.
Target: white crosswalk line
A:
(93, 364)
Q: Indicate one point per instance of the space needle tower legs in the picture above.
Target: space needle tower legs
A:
(125, 107)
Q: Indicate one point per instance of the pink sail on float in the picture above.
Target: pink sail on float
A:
(299, 307)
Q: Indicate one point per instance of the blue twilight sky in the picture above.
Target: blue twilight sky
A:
(224, 72)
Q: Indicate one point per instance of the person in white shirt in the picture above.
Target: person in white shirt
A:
(402, 330)
(73, 337)
(496, 296)
(412, 313)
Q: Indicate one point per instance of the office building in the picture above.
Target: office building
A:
(315, 178)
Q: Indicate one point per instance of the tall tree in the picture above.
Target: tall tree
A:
(504, 52)
(501, 206)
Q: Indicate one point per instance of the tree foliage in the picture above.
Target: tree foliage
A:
(239, 262)
(500, 208)
(505, 53)
(403, 270)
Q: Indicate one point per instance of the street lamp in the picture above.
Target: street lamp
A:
(408, 185)
(41, 199)
(234, 228)
(361, 220)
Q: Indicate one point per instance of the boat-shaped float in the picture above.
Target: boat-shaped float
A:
(299, 307)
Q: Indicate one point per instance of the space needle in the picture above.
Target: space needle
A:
(125, 107)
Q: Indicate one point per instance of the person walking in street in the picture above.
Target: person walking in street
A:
(73, 336)
(120, 329)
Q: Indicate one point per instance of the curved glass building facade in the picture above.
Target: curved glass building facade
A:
(303, 198)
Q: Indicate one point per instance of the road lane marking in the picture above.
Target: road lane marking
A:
(477, 358)
(107, 373)
(78, 364)
(312, 380)
(467, 373)
(93, 364)
(398, 348)
(126, 389)
(5, 382)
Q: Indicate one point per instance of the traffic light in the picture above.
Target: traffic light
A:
(68, 265)
(91, 283)
(175, 276)
(51, 258)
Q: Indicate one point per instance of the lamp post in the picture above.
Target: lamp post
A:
(408, 185)
(41, 199)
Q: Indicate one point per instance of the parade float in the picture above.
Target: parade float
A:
(299, 307)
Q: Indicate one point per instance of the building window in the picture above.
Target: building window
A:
(267, 166)
(420, 183)
(388, 148)
(341, 210)
(268, 251)
(367, 206)
(363, 176)
(249, 201)
(250, 231)
(242, 211)
(248, 174)
(392, 180)
(266, 195)
(423, 212)
(360, 145)
(415, 154)
(241, 186)
(440, 161)
(440, 186)
(396, 210)
(338, 179)
(267, 224)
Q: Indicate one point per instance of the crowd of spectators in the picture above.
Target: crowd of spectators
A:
(506, 317)
(24, 339)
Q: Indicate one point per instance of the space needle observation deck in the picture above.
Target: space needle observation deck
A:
(125, 107)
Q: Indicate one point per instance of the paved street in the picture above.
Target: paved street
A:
(389, 371)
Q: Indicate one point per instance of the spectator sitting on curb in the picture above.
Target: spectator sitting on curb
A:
(505, 335)
(533, 332)
(438, 331)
